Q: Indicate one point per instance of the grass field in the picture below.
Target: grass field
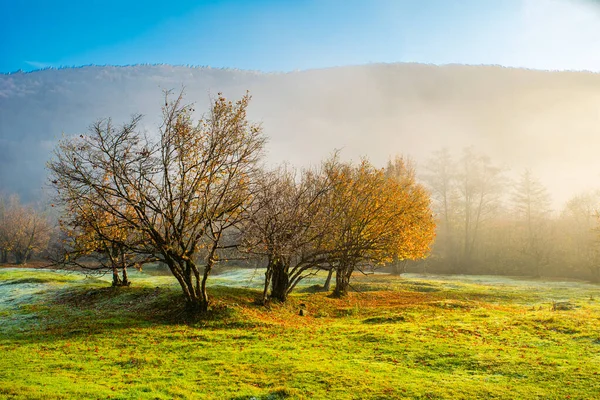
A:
(416, 337)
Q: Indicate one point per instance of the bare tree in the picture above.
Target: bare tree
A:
(96, 241)
(180, 193)
(480, 186)
(579, 242)
(532, 205)
(440, 177)
(23, 230)
(287, 226)
(5, 230)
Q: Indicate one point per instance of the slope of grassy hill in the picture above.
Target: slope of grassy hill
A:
(66, 336)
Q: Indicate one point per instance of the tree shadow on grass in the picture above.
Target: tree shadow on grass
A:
(29, 280)
(278, 394)
(84, 310)
(312, 289)
(392, 319)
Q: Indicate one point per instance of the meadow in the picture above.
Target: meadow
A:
(64, 335)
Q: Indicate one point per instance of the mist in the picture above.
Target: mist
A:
(548, 122)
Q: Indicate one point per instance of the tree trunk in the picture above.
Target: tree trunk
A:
(399, 267)
(116, 278)
(4, 256)
(327, 285)
(196, 306)
(20, 258)
(203, 301)
(194, 291)
(268, 275)
(280, 282)
(126, 281)
(342, 281)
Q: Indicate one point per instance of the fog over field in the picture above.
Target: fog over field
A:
(546, 121)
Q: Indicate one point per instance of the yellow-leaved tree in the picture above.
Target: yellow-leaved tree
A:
(378, 216)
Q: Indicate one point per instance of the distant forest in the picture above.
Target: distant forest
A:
(488, 223)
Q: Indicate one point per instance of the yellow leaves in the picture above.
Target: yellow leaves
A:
(380, 215)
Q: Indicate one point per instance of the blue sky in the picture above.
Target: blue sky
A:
(286, 35)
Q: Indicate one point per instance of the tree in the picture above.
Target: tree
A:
(338, 218)
(403, 172)
(377, 217)
(92, 233)
(23, 230)
(180, 193)
(441, 179)
(5, 230)
(579, 242)
(532, 206)
(32, 236)
(479, 185)
(286, 226)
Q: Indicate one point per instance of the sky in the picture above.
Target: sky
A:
(287, 35)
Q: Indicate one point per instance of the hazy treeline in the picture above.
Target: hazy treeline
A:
(25, 232)
(489, 223)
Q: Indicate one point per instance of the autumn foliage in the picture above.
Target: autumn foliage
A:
(191, 197)
(170, 200)
(341, 217)
(379, 216)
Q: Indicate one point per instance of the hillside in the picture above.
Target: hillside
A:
(547, 121)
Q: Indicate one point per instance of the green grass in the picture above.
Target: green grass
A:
(67, 336)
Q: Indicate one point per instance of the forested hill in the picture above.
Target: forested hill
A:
(547, 121)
